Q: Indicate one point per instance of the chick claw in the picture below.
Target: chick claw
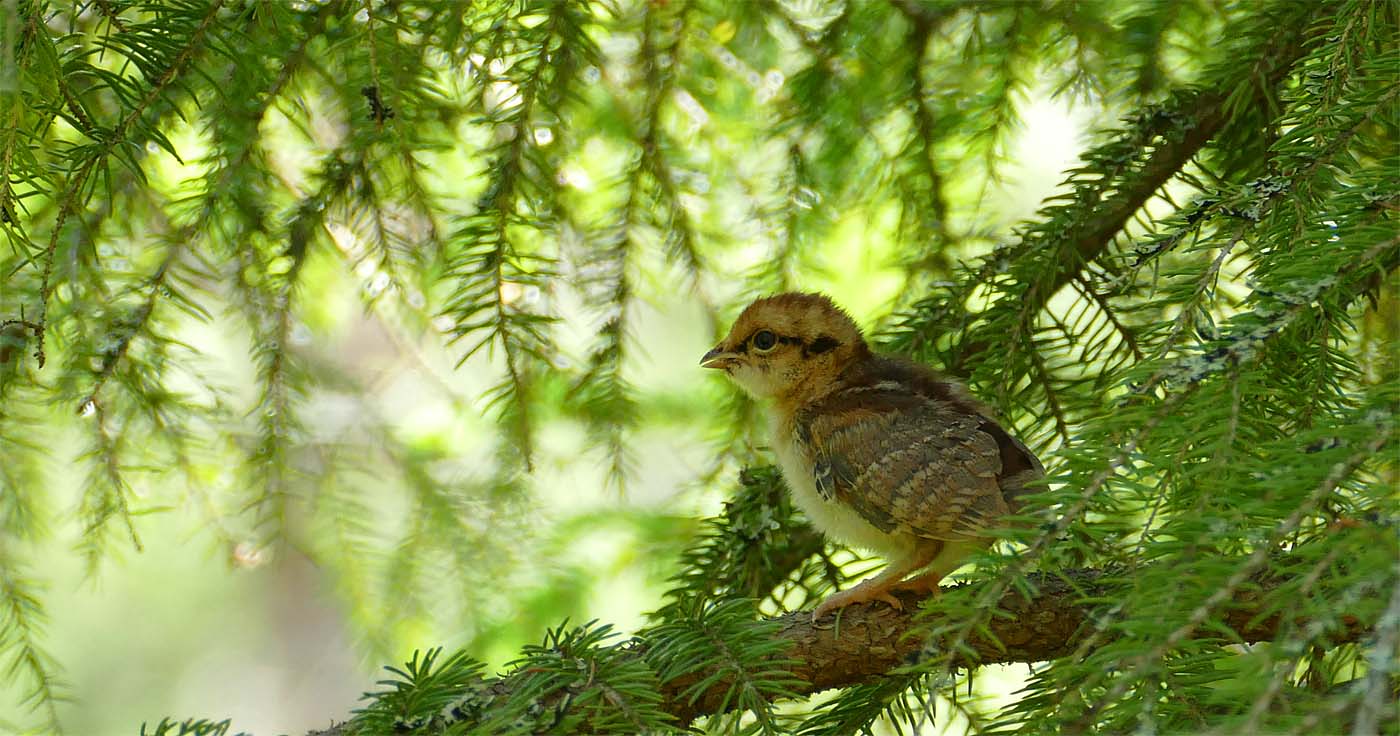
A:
(925, 586)
(860, 594)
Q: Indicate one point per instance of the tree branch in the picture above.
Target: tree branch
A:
(1180, 132)
(871, 640)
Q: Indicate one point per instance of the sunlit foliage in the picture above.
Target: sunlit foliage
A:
(1198, 332)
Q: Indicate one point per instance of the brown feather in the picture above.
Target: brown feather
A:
(907, 463)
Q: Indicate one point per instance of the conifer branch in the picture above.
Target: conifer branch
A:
(106, 494)
(680, 230)
(1097, 220)
(112, 15)
(111, 140)
(1184, 318)
(1124, 333)
(869, 642)
(1244, 571)
(872, 640)
(924, 144)
(21, 631)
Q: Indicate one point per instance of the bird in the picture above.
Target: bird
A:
(878, 451)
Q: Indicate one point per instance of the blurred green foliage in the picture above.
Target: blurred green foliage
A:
(370, 327)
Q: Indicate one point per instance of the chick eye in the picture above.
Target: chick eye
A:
(763, 341)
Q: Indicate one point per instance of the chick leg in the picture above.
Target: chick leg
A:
(949, 558)
(878, 587)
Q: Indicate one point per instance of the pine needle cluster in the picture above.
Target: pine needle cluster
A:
(1198, 332)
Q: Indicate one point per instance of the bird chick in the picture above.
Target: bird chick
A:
(879, 452)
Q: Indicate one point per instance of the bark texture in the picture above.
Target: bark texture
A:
(872, 639)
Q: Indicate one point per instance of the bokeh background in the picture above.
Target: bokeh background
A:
(371, 327)
(206, 623)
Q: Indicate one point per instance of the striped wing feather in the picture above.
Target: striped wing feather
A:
(907, 463)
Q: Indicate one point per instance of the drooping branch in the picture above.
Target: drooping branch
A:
(871, 640)
(1178, 132)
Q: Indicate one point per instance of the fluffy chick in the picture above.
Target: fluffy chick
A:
(878, 451)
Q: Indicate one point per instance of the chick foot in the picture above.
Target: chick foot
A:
(863, 593)
(924, 585)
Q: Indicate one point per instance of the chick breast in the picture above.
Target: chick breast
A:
(839, 521)
(884, 465)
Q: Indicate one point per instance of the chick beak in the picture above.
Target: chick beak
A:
(717, 358)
